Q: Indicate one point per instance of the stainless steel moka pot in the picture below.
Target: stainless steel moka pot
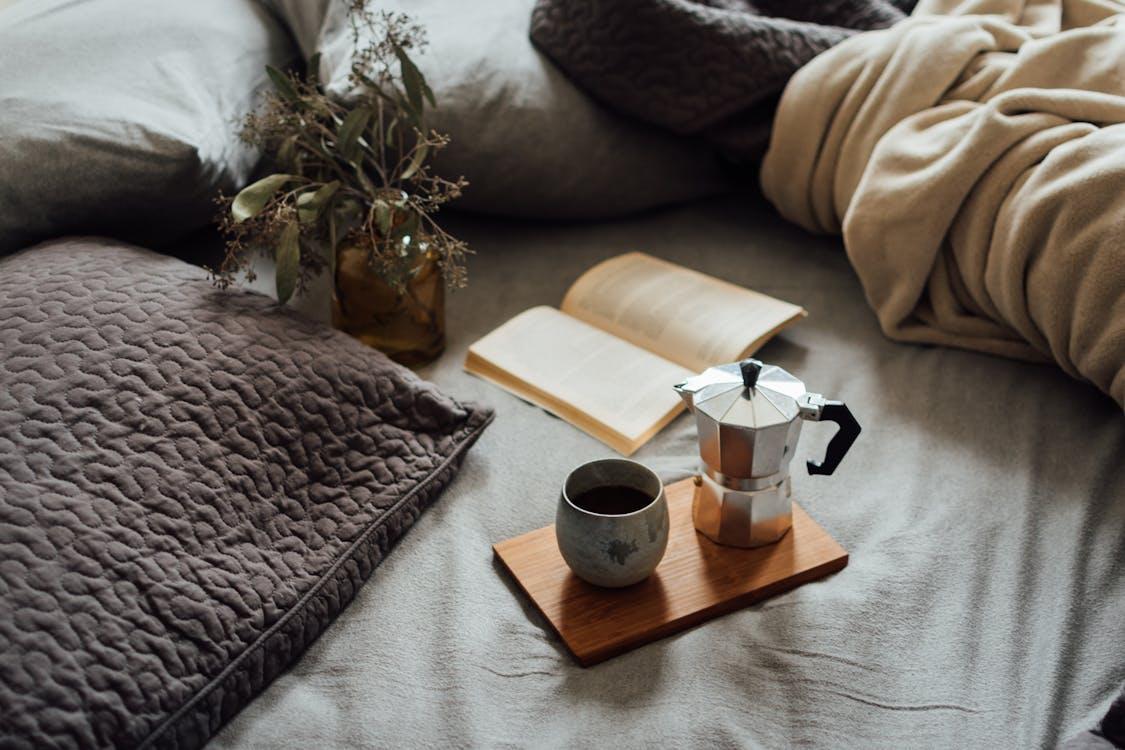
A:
(749, 417)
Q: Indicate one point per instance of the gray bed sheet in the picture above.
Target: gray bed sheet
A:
(983, 507)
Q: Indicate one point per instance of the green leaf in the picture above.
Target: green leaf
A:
(348, 211)
(282, 83)
(254, 197)
(312, 69)
(429, 92)
(325, 193)
(311, 203)
(288, 260)
(417, 159)
(413, 81)
(383, 217)
(347, 138)
(364, 180)
(390, 140)
(413, 116)
(322, 149)
(305, 212)
(287, 152)
(410, 71)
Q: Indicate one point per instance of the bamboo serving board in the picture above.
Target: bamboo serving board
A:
(696, 581)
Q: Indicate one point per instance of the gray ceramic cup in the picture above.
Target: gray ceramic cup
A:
(612, 550)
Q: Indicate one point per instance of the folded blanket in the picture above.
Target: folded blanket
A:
(972, 157)
(710, 67)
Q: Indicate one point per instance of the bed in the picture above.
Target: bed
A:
(983, 507)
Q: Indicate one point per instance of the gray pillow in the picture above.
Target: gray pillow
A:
(529, 142)
(121, 116)
(193, 484)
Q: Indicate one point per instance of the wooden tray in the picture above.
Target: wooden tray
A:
(696, 581)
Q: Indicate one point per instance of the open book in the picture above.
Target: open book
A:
(628, 330)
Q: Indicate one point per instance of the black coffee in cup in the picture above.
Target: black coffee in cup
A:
(612, 500)
(612, 522)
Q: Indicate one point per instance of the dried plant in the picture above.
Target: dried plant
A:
(350, 169)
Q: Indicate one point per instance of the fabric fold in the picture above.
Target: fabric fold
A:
(712, 68)
(973, 164)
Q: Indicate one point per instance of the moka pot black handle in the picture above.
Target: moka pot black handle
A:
(838, 412)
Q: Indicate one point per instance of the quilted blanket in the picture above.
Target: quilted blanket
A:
(193, 484)
(712, 68)
(971, 158)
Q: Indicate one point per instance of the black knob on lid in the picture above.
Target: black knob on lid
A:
(751, 369)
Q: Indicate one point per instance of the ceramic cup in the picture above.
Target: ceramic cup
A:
(619, 549)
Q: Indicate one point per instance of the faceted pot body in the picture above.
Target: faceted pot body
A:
(736, 518)
(747, 453)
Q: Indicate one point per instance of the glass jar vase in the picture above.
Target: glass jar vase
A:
(406, 324)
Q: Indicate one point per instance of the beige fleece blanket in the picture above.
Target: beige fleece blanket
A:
(973, 156)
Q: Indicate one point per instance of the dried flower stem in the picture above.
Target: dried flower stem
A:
(351, 170)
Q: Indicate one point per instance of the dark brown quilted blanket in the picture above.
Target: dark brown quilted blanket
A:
(193, 484)
(709, 67)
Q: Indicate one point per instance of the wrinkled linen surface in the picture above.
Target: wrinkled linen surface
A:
(193, 484)
(974, 164)
(983, 507)
(708, 67)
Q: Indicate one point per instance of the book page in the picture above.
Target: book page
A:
(680, 314)
(612, 389)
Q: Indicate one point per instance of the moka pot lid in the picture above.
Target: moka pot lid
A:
(750, 395)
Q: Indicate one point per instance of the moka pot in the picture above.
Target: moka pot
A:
(749, 417)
